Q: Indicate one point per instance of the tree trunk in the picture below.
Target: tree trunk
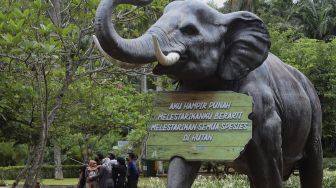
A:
(55, 12)
(158, 84)
(36, 165)
(143, 83)
(38, 155)
(58, 161)
(23, 172)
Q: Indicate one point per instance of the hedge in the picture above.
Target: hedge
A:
(69, 171)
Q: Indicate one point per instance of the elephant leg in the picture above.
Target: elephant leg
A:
(264, 170)
(263, 153)
(310, 167)
(251, 183)
(181, 173)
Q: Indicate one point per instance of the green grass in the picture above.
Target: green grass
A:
(66, 181)
(73, 181)
(154, 182)
(329, 181)
(330, 173)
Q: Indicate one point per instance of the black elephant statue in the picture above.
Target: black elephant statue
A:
(206, 50)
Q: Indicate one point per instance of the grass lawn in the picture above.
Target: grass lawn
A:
(159, 182)
(73, 181)
(65, 181)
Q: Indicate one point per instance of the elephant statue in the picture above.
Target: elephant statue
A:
(205, 50)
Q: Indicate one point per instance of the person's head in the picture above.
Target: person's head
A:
(121, 161)
(105, 161)
(131, 156)
(111, 156)
(99, 157)
(92, 165)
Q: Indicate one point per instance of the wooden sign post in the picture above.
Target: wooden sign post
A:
(199, 126)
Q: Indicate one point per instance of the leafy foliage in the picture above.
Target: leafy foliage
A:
(313, 18)
(316, 18)
(12, 154)
(98, 114)
(43, 52)
(240, 5)
(15, 108)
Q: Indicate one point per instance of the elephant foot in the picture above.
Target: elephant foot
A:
(181, 173)
(310, 167)
(264, 170)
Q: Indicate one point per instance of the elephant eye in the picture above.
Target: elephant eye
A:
(189, 30)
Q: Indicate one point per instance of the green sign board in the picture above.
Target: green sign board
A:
(199, 126)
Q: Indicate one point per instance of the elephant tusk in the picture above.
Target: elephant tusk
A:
(168, 60)
(110, 59)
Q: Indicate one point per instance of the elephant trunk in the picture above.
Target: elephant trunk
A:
(135, 51)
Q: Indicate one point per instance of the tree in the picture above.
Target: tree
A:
(277, 12)
(316, 18)
(241, 5)
(46, 47)
(96, 111)
(45, 55)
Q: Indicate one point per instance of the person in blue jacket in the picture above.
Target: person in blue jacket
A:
(132, 172)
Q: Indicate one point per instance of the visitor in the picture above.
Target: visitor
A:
(38, 185)
(99, 157)
(119, 173)
(106, 174)
(132, 172)
(112, 157)
(92, 174)
(82, 178)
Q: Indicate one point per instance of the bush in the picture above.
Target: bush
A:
(329, 163)
(69, 171)
(11, 154)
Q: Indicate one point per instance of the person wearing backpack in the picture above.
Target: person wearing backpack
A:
(82, 178)
(106, 174)
(119, 173)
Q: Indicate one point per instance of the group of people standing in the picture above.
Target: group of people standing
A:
(110, 172)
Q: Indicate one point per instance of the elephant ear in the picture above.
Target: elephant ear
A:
(247, 43)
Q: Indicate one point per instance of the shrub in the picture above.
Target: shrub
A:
(329, 163)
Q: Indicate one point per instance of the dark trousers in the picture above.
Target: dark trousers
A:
(132, 183)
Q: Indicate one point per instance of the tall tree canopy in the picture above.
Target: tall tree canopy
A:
(46, 48)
